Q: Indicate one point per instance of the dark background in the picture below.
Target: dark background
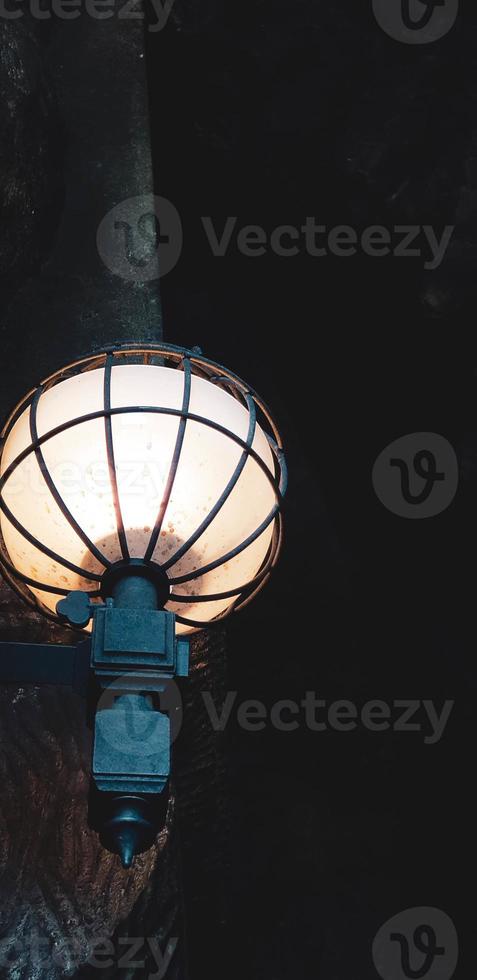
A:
(273, 112)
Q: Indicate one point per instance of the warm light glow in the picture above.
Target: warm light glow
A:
(143, 448)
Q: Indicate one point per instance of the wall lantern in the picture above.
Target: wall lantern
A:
(140, 500)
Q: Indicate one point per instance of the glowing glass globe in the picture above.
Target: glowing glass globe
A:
(155, 454)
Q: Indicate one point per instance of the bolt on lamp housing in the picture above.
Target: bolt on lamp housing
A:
(140, 488)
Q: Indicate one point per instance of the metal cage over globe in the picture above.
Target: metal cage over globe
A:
(148, 454)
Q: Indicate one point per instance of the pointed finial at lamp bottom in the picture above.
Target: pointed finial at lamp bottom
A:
(127, 845)
(132, 825)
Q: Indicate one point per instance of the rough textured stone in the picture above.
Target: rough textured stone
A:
(62, 167)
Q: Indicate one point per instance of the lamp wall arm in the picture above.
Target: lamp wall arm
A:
(43, 663)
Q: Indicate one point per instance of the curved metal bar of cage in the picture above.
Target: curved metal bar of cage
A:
(25, 594)
(224, 496)
(247, 596)
(174, 463)
(113, 474)
(269, 562)
(127, 410)
(244, 594)
(233, 553)
(173, 597)
(171, 351)
(41, 586)
(168, 350)
(239, 589)
(101, 359)
(43, 548)
(197, 573)
(55, 493)
(136, 409)
(188, 544)
(16, 578)
(238, 605)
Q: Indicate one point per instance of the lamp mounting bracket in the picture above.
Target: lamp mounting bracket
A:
(129, 662)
